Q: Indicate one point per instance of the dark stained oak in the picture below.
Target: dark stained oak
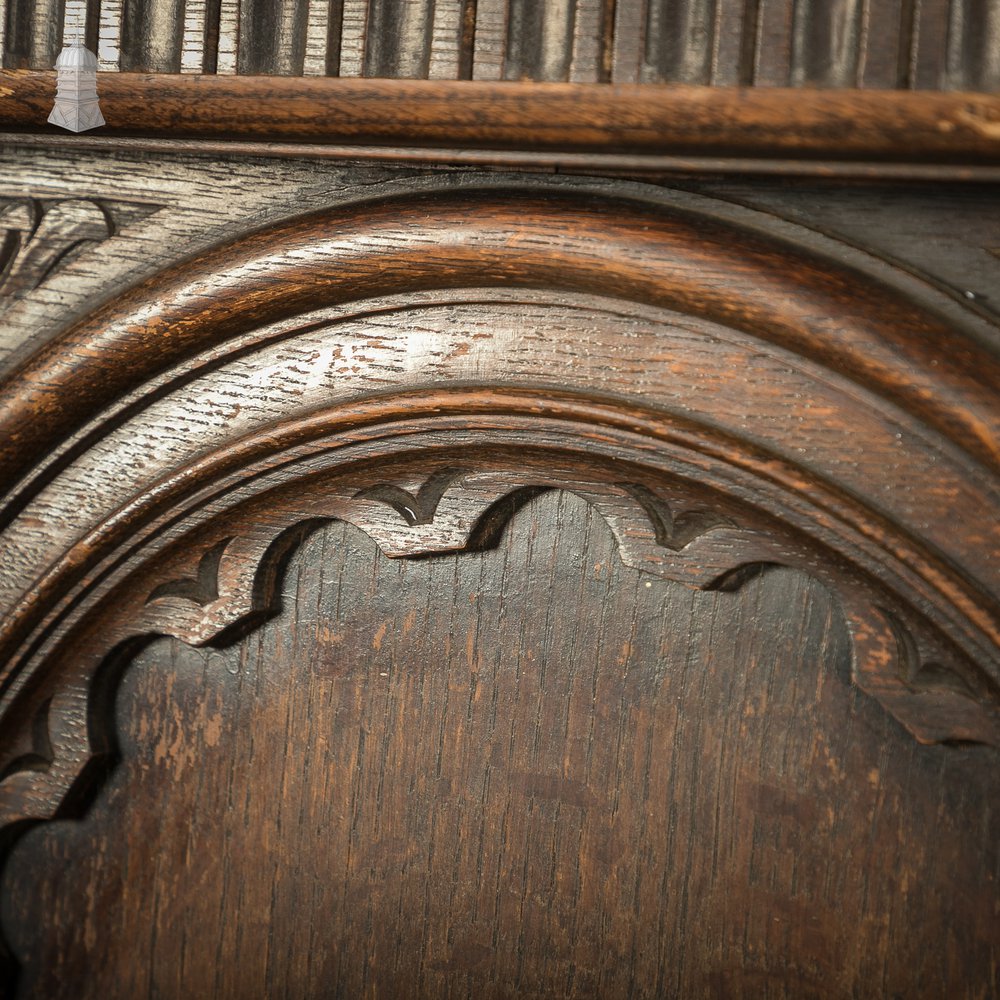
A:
(425, 582)
(924, 127)
(714, 304)
(531, 771)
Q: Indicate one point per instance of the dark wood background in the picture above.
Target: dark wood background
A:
(526, 772)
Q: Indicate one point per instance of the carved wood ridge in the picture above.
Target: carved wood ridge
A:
(956, 134)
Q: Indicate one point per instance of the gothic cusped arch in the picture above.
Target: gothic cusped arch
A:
(423, 431)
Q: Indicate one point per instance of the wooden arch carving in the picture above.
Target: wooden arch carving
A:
(720, 418)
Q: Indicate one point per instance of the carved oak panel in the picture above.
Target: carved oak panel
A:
(531, 770)
(729, 492)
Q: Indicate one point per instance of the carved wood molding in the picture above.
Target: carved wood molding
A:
(673, 258)
(37, 236)
(750, 124)
(726, 400)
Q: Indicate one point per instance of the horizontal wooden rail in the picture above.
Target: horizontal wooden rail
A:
(838, 126)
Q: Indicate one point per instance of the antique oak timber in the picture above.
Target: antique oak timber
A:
(501, 500)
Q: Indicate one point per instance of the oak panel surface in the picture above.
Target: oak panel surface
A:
(521, 771)
(526, 772)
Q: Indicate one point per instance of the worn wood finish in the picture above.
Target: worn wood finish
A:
(495, 794)
(166, 207)
(760, 291)
(638, 539)
(935, 244)
(831, 125)
(158, 210)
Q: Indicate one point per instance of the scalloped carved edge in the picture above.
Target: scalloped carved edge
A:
(666, 255)
(679, 258)
(452, 510)
(234, 586)
(760, 285)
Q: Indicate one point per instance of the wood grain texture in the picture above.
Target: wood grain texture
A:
(32, 33)
(889, 223)
(823, 125)
(152, 36)
(184, 203)
(427, 779)
(161, 210)
(600, 534)
(930, 44)
(884, 540)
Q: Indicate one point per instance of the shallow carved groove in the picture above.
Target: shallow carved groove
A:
(39, 235)
(675, 533)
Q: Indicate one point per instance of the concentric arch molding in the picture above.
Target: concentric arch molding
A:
(726, 400)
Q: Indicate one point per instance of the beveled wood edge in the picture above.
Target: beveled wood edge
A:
(662, 259)
(634, 128)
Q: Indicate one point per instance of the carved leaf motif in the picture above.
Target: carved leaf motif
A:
(675, 532)
(203, 588)
(37, 236)
(18, 221)
(419, 509)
